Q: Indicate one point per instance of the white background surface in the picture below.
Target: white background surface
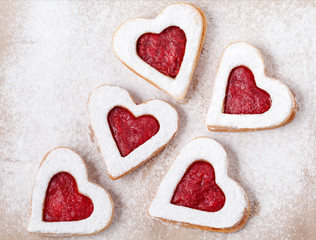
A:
(53, 54)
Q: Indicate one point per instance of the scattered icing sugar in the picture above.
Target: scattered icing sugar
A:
(58, 52)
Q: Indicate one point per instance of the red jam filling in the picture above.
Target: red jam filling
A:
(130, 132)
(198, 189)
(242, 94)
(163, 51)
(63, 202)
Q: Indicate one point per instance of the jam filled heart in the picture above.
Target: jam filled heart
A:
(198, 189)
(130, 132)
(63, 202)
(163, 51)
(242, 94)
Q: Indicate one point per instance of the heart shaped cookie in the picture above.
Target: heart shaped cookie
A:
(164, 50)
(64, 202)
(129, 134)
(197, 192)
(243, 98)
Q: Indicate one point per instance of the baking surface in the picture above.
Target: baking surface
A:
(53, 54)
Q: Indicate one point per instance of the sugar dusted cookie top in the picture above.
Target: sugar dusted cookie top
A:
(129, 134)
(280, 103)
(54, 220)
(177, 27)
(230, 212)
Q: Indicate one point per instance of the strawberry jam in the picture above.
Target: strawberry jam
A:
(130, 132)
(63, 202)
(242, 94)
(163, 51)
(198, 189)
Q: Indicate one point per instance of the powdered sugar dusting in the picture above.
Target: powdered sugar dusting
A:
(283, 103)
(58, 52)
(65, 160)
(188, 19)
(236, 203)
(105, 98)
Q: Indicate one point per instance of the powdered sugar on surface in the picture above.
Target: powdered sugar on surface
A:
(55, 53)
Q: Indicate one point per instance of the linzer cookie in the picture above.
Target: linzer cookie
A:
(164, 50)
(197, 192)
(129, 134)
(243, 98)
(64, 202)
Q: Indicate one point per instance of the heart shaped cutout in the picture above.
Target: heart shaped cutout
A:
(188, 195)
(163, 51)
(167, 47)
(242, 94)
(198, 189)
(64, 202)
(129, 134)
(243, 98)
